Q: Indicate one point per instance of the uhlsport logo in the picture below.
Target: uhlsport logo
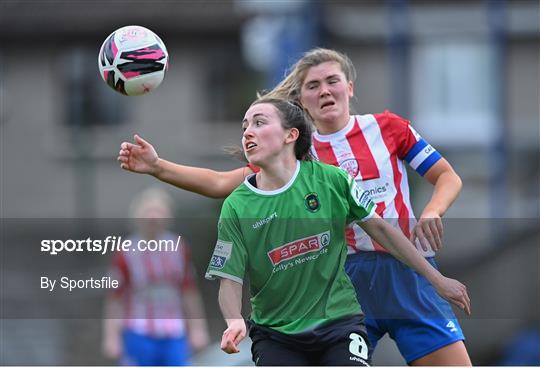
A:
(311, 200)
(299, 247)
(264, 221)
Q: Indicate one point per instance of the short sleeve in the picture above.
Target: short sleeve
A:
(407, 143)
(361, 207)
(421, 156)
(230, 256)
(396, 132)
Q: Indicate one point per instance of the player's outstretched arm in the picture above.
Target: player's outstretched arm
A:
(447, 185)
(230, 302)
(400, 247)
(141, 157)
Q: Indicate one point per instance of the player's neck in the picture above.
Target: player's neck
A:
(276, 174)
(333, 126)
(149, 234)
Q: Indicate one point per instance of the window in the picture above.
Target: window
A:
(453, 89)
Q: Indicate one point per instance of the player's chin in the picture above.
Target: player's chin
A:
(254, 159)
(329, 113)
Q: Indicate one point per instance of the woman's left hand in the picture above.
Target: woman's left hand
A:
(429, 231)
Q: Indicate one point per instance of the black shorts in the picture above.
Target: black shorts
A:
(338, 343)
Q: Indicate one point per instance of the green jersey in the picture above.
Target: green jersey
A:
(291, 244)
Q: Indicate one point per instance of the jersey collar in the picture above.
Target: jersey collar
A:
(339, 134)
(275, 191)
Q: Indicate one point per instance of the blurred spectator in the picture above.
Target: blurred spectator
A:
(155, 317)
(523, 349)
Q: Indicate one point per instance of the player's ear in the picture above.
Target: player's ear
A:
(292, 135)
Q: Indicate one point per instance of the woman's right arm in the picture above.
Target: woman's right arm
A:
(400, 247)
(142, 158)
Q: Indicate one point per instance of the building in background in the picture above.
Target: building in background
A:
(467, 74)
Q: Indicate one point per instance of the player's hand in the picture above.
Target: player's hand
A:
(139, 157)
(428, 231)
(233, 335)
(455, 292)
(198, 339)
(112, 348)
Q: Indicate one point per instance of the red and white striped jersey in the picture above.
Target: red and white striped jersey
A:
(372, 148)
(151, 284)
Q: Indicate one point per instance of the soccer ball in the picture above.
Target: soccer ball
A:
(133, 60)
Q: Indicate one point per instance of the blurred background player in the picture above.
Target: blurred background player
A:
(373, 148)
(155, 317)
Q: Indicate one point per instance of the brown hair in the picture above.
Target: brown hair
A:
(293, 116)
(290, 87)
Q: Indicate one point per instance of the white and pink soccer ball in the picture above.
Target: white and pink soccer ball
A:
(133, 60)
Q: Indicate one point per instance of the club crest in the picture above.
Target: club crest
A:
(312, 203)
(351, 166)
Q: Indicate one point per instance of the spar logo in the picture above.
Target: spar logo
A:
(299, 247)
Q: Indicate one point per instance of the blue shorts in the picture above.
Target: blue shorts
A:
(145, 350)
(398, 301)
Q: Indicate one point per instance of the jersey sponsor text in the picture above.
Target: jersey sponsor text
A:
(298, 247)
